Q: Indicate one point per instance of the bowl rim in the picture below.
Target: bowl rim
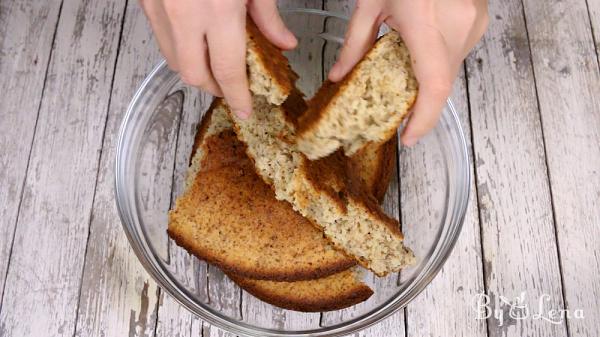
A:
(392, 305)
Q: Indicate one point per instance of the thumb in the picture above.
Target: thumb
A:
(266, 16)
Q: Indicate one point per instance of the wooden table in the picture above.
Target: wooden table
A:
(528, 97)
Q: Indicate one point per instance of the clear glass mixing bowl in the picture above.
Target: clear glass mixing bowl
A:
(429, 194)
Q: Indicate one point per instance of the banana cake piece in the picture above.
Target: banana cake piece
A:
(367, 106)
(214, 211)
(331, 292)
(269, 73)
(327, 192)
(324, 191)
(334, 292)
(229, 217)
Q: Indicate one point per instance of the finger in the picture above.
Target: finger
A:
(162, 30)
(190, 46)
(194, 64)
(266, 16)
(435, 74)
(361, 33)
(227, 50)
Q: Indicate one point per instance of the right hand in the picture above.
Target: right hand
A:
(438, 33)
(205, 42)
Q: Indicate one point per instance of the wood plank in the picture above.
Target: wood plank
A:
(26, 35)
(45, 271)
(452, 292)
(593, 8)
(173, 319)
(568, 84)
(124, 301)
(520, 253)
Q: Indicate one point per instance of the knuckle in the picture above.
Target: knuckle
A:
(469, 12)
(224, 6)
(225, 73)
(371, 5)
(192, 78)
(439, 87)
(173, 8)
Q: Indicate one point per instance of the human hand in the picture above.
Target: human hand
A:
(205, 41)
(438, 33)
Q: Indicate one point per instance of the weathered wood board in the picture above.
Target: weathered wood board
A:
(568, 87)
(518, 238)
(26, 36)
(44, 275)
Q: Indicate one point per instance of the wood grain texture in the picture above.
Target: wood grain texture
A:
(173, 319)
(568, 85)
(453, 290)
(26, 34)
(44, 276)
(593, 7)
(519, 243)
(124, 301)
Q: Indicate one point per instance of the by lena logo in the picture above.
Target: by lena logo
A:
(504, 309)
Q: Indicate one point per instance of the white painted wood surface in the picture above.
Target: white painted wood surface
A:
(45, 270)
(26, 35)
(564, 62)
(594, 16)
(173, 319)
(451, 292)
(118, 298)
(529, 95)
(519, 246)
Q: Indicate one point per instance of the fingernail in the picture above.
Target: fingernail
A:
(409, 140)
(242, 114)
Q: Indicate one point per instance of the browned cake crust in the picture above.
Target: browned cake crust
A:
(326, 93)
(224, 150)
(334, 176)
(380, 161)
(203, 127)
(325, 191)
(349, 215)
(367, 105)
(334, 292)
(374, 164)
(230, 218)
(264, 54)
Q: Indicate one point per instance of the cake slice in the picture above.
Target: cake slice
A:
(367, 106)
(376, 163)
(334, 292)
(327, 192)
(324, 191)
(229, 217)
(269, 73)
(226, 200)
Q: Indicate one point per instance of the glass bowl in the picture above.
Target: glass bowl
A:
(428, 193)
